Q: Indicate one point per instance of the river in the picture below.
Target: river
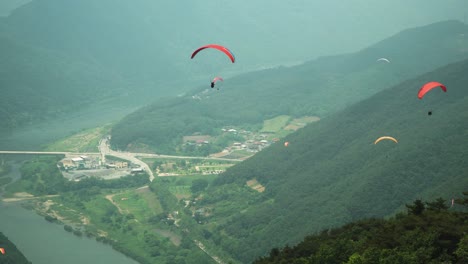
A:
(47, 243)
(40, 241)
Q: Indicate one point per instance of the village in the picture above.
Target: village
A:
(251, 143)
(77, 167)
(242, 145)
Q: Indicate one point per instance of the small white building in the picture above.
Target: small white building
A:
(136, 170)
(77, 160)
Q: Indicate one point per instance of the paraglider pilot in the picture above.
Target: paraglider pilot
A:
(212, 84)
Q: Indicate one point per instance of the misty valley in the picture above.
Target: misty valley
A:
(185, 132)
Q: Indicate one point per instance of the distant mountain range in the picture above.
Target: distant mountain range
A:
(60, 55)
(319, 87)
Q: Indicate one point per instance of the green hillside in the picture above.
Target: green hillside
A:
(331, 173)
(39, 84)
(316, 88)
(12, 254)
(429, 233)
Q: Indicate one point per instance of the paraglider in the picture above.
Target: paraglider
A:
(385, 138)
(384, 59)
(429, 86)
(213, 82)
(286, 143)
(2, 250)
(218, 47)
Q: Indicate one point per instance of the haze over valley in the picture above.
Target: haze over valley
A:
(312, 132)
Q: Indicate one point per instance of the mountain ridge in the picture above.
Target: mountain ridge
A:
(331, 173)
(317, 88)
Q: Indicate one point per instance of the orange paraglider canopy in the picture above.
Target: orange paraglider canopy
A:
(286, 143)
(429, 86)
(2, 250)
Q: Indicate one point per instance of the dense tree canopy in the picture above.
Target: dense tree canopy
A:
(425, 234)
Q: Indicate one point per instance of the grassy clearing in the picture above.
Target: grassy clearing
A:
(141, 203)
(151, 199)
(85, 141)
(70, 216)
(238, 154)
(175, 239)
(180, 186)
(189, 167)
(275, 124)
(181, 191)
(297, 123)
(255, 185)
(99, 210)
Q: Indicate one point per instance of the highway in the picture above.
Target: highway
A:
(104, 150)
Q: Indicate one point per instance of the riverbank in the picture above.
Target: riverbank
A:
(23, 221)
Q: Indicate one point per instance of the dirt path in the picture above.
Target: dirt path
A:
(202, 247)
(109, 197)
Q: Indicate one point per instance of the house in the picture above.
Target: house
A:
(121, 164)
(66, 164)
(137, 170)
(77, 160)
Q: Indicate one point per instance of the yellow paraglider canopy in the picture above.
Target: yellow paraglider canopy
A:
(385, 137)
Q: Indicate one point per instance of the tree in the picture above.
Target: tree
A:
(464, 200)
(417, 208)
(462, 250)
(437, 205)
(199, 185)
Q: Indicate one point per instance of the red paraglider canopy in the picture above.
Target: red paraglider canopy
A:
(429, 86)
(217, 79)
(218, 47)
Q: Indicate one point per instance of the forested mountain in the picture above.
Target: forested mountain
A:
(318, 87)
(332, 173)
(38, 84)
(429, 233)
(12, 254)
(59, 55)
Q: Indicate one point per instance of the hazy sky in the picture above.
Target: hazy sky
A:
(262, 33)
(7, 5)
(305, 28)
